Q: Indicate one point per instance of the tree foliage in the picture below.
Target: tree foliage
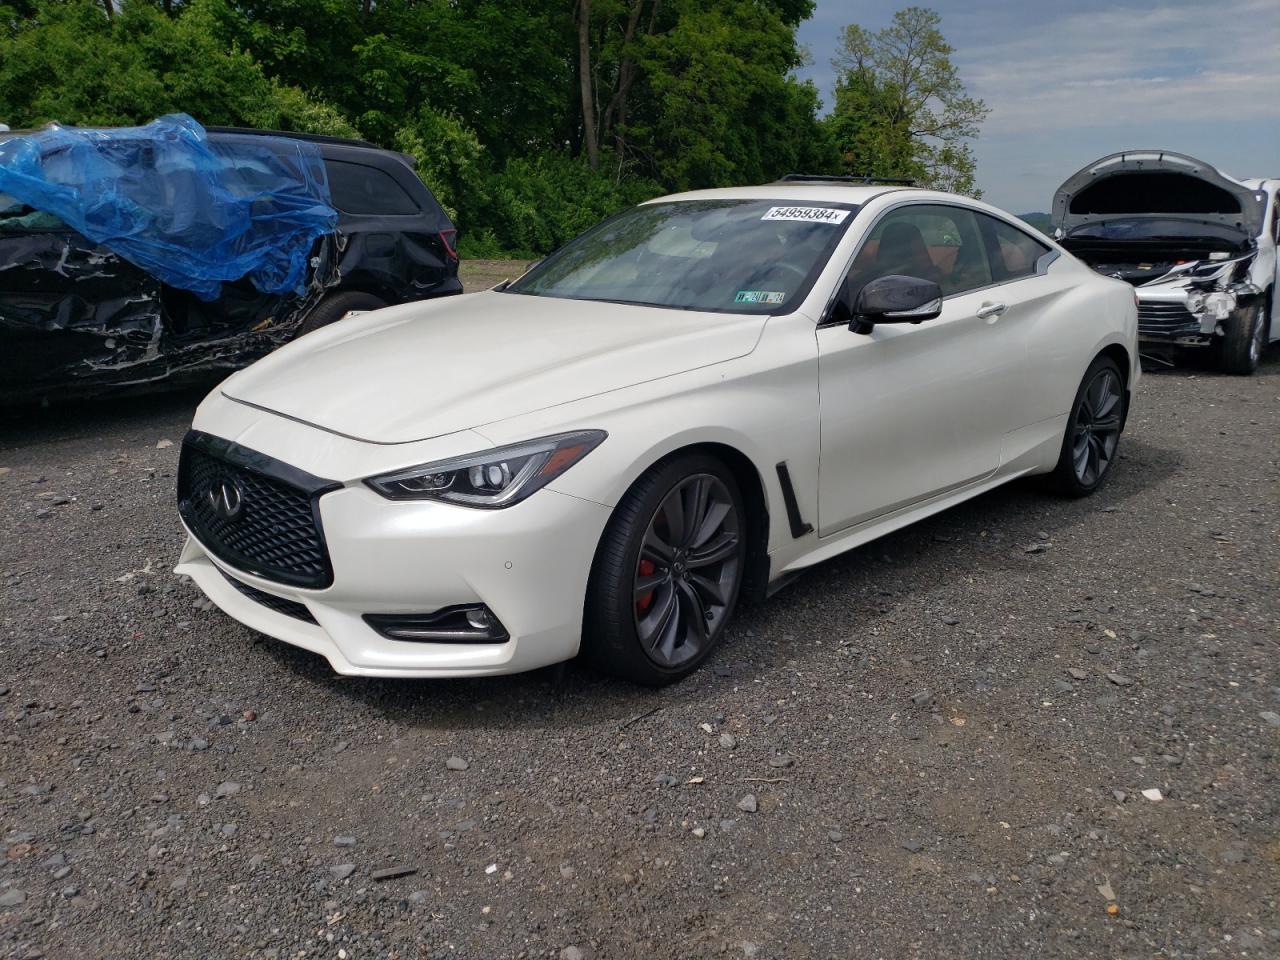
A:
(529, 119)
(901, 109)
(69, 63)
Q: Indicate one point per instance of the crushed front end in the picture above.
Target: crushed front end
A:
(1187, 236)
(1189, 303)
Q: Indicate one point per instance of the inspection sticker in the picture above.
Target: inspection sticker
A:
(760, 296)
(807, 214)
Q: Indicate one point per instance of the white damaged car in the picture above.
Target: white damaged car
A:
(683, 407)
(1199, 246)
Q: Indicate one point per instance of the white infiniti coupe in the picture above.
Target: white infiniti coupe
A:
(675, 411)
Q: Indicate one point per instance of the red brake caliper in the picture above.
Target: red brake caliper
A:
(647, 569)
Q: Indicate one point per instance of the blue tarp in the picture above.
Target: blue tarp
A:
(188, 210)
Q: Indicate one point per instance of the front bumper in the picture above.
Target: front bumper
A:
(528, 563)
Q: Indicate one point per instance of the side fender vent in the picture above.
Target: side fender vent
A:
(798, 527)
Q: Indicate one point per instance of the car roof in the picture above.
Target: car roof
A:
(798, 191)
(857, 194)
(338, 147)
(331, 148)
(290, 135)
(823, 191)
(254, 131)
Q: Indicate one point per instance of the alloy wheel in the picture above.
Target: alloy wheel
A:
(1097, 428)
(687, 571)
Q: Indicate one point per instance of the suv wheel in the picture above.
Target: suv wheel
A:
(336, 306)
(1241, 347)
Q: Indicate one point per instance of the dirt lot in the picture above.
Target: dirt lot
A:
(937, 746)
(483, 274)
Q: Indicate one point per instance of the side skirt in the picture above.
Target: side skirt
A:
(880, 526)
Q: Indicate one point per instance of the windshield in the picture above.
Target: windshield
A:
(724, 256)
(1155, 228)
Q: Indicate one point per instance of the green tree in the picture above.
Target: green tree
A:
(449, 159)
(715, 101)
(529, 119)
(901, 109)
(73, 64)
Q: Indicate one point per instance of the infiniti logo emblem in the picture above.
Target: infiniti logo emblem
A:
(225, 499)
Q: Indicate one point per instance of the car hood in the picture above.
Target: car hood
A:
(1157, 183)
(423, 370)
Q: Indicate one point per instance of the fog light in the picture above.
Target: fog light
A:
(465, 623)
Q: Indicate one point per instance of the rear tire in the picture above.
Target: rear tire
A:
(667, 573)
(336, 306)
(1243, 341)
(1092, 438)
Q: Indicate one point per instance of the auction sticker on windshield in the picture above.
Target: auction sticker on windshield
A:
(760, 296)
(807, 214)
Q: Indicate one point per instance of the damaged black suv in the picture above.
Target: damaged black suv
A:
(76, 318)
(1198, 246)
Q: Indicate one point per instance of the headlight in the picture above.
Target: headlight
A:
(1217, 305)
(493, 478)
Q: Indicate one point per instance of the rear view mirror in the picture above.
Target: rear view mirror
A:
(895, 299)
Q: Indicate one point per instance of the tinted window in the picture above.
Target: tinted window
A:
(356, 188)
(1013, 253)
(933, 242)
(727, 256)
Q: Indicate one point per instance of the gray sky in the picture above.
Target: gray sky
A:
(1070, 82)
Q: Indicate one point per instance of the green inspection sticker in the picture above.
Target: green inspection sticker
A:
(760, 296)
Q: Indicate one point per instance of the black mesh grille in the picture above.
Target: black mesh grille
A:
(269, 528)
(1166, 318)
(290, 608)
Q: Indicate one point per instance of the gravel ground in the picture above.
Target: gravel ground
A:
(483, 274)
(940, 745)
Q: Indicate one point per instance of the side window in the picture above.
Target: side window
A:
(931, 241)
(1014, 253)
(359, 189)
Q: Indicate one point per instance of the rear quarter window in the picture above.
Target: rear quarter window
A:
(1014, 254)
(359, 189)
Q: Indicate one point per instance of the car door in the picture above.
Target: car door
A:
(909, 412)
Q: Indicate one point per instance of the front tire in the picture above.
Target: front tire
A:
(667, 573)
(1244, 339)
(1092, 437)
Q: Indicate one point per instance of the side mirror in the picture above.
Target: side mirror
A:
(895, 299)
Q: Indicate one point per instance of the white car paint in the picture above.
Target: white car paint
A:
(498, 362)
(1265, 270)
(876, 430)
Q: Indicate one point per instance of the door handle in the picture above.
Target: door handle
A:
(989, 310)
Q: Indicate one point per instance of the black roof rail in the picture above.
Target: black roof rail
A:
(861, 178)
(290, 135)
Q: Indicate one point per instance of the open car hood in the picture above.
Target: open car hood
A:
(1157, 183)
